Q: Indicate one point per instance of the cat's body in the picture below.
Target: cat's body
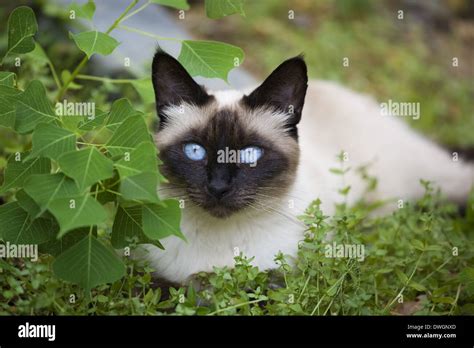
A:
(334, 119)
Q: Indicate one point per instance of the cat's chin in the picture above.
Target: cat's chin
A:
(221, 212)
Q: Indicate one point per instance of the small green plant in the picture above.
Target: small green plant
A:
(85, 180)
(417, 260)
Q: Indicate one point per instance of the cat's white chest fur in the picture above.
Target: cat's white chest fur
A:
(212, 242)
(334, 119)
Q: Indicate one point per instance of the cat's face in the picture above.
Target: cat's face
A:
(228, 156)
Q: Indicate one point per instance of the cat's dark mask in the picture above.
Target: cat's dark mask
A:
(225, 151)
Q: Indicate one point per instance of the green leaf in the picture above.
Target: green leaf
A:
(86, 166)
(401, 276)
(55, 246)
(221, 8)
(418, 244)
(142, 159)
(17, 227)
(132, 132)
(8, 99)
(66, 76)
(144, 88)
(121, 109)
(51, 141)
(177, 4)
(27, 203)
(39, 55)
(44, 188)
(162, 220)
(7, 78)
(127, 224)
(448, 300)
(91, 42)
(18, 171)
(466, 277)
(89, 263)
(210, 58)
(141, 187)
(32, 108)
(21, 28)
(85, 11)
(416, 286)
(77, 211)
(338, 171)
(90, 124)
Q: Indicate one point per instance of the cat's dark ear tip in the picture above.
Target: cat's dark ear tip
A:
(160, 55)
(298, 62)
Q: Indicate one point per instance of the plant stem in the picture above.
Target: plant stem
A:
(102, 79)
(436, 270)
(84, 60)
(455, 300)
(137, 11)
(65, 87)
(304, 288)
(406, 283)
(145, 33)
(235, 306)
(55, 75)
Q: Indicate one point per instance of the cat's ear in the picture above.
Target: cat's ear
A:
(284, 89)
(173, 85)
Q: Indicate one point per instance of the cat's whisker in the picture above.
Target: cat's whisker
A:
(279, 189)
(272, 209)
(280, 198)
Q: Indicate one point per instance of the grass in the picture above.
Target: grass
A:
(417, 260)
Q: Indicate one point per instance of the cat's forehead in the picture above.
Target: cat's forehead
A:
(225, 117)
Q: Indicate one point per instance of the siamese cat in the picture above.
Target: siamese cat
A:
(246, 165)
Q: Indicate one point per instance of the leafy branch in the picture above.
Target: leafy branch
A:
(65, 186)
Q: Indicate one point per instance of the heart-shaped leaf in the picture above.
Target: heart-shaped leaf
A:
(77, 211)
(142, 159)
(210, 58)
(89, 263)
(94, 41)
(17, 226)
(32, 108)
(221, 8)
(86, 166)
(51, 141)
(132, 132)
(44, 188)
(18, 170)
(85, 11)
(141, 187)
(162, 220)
(21, 28)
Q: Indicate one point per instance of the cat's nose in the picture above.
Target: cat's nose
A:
(218, 188)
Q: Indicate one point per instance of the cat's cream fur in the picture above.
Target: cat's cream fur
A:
(334, 119)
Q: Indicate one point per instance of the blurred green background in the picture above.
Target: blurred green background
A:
(402, 60)
(406, 60)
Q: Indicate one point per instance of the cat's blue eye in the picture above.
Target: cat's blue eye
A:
(194, 151)
(250, 154)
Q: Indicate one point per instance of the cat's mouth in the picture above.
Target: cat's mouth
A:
(223, 207)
